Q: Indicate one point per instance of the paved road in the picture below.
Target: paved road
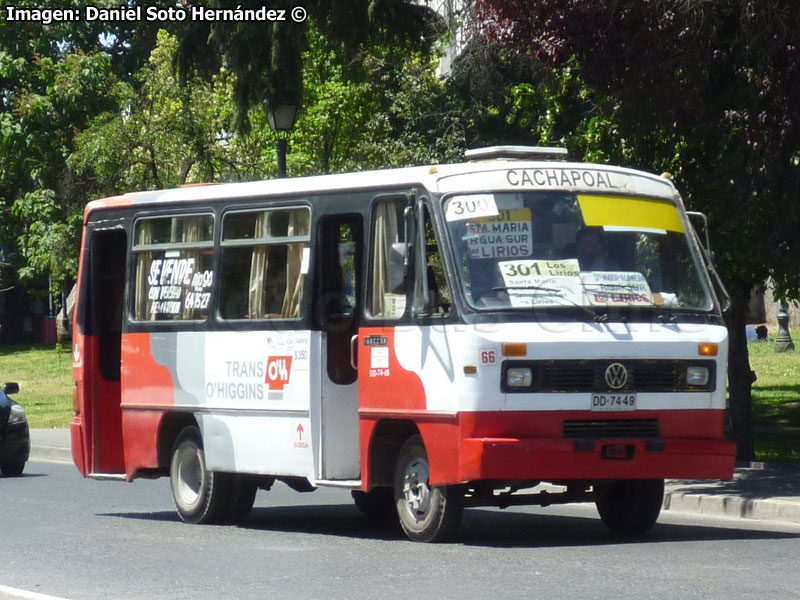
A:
(67, 537)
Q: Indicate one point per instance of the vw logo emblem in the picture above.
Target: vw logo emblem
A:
(616, 376)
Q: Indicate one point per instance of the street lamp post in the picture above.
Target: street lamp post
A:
(281, 118)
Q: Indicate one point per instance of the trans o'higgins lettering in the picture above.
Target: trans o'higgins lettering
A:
(560, 178)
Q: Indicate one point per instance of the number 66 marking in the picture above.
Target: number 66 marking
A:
(488, 357)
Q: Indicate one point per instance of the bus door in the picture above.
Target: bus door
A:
(100, 323)
(338, 267)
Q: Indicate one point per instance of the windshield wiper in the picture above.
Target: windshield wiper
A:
(548, 291)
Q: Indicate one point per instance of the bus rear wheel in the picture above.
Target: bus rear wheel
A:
(426, 513)
(241, 495)
(630, 507)
(200, 495)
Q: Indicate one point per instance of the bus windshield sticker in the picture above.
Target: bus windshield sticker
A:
(507, 234)
(470, 207)
(517, 270)
(636, 213)
(612, 288)
(541, 282)
(305, 260)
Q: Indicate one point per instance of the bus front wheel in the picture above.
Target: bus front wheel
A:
(200, 495)
(630, 507)
(426, 513)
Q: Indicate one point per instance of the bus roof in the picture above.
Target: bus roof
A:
(493, 175)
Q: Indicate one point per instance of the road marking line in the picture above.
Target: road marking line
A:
(26, 595)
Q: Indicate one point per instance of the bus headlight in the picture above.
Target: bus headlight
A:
(519, 377)
(697, 376)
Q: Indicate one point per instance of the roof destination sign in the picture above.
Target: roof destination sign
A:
(561, 177)
(518, 176)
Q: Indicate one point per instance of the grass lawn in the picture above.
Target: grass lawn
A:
(45, 380)
(776, 401)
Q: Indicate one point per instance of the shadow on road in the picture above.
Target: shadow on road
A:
(480, 527)
(24, 475)
(751, 484)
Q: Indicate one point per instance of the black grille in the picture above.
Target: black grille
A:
(643, 375)
(623, 428)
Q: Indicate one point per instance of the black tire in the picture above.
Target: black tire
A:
(630, 507)
(427, 514)
(12, 469)
(200, 495)
(378, 503)
(241, 495)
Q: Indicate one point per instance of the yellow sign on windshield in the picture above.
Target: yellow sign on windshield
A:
(636, 213)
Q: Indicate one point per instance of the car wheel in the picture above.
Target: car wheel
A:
(630, 507)
(12, 469)
(200, 495)
(427, 514)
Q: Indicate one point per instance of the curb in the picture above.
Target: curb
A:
(50, 454)
(736, 507)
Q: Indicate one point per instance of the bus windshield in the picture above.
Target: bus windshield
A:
(553, 249)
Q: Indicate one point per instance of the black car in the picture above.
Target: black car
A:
(15, 438)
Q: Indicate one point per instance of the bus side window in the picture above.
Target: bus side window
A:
(439, 298)
(387, 288)
(173, 264)
(263, 268)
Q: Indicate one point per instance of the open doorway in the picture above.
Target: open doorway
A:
(103, 295)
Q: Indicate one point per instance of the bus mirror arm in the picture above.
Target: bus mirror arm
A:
(408, 221)
(725, 297)
(421, 303)
(702, 217)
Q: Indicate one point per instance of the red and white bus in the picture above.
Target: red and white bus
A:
(431, 338)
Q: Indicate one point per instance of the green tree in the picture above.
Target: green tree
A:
(267, 59)
(396, 113)
(53, 79)
(54, 98)
(160, 134)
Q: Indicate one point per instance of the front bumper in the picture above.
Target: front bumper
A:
(547, 459)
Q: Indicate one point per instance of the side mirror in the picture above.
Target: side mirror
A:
(10, 387)
(703, 220)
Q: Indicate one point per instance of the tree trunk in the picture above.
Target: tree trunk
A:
(740, 376)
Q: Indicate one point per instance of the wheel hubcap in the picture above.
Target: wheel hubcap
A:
(416, 492)
(190, 476)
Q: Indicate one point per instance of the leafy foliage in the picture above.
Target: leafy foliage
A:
(53, 98)
(162, 135)
(267, 60)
